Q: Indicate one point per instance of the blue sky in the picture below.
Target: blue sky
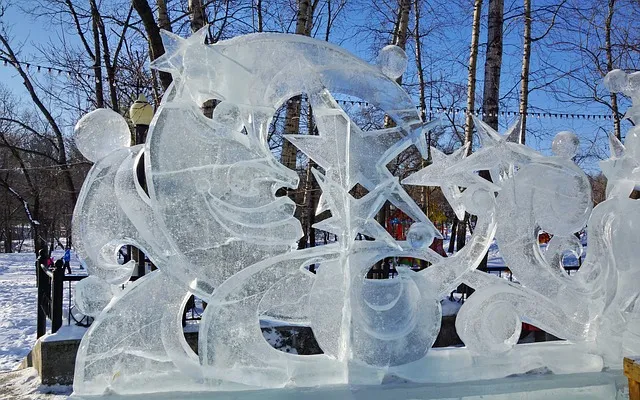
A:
(445, 54)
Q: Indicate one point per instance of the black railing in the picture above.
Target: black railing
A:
(50, 283)
(50, 293)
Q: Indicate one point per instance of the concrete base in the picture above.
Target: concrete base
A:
(54, 360)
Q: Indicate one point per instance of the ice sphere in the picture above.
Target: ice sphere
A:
(392, 61)
(92, 295)
(100, 132)
(228, 114)
(420, 235)
(565, 144)
(478, 200)
(616, 81)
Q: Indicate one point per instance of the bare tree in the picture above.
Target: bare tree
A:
(524, 76)
(461, 233)
(156, 48)
(492, 70)
(471, 80)
(304, 19)
(610, 67)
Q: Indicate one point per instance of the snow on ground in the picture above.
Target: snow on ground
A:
(25, 385)
(18, 298)
(17, 308)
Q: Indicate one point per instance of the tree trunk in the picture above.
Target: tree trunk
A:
(471, 84)
(403, 24)
(198, 21)
(259, 12)
(492, 68)
(400, 40)
(197, 16)
(8, 237)
(156, 48)
(608, 50)
(452, 236)
(163, 16)
(307, 215)
(292, 117)
(97, 68)
(461, 234)
(108, 66)
(424, 195)
(524, 76)
(493, 64)
(419, 67)
(471, 96)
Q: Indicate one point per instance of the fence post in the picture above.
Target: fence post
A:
(56, 299)
(41, 277)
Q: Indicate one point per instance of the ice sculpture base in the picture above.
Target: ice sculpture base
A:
(611, 385)
(441, 366)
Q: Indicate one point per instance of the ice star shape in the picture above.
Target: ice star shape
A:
(349, 215)
(499, 154)
(440, 173)
(622, 170)
(174, 47)
(350, 155)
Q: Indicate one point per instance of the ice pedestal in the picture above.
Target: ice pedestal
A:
(586, 386)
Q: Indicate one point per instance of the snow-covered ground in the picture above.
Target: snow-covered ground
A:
(25, 385)
(18, 298)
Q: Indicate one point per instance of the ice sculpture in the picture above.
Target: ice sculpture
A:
(210, 221)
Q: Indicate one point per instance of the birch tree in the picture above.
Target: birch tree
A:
(461, 233)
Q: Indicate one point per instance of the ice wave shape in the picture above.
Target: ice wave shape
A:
(208, 217)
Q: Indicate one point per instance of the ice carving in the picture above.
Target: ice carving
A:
(213, 225)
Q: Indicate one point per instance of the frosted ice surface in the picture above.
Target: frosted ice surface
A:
(420, 235)
(208, 217)
(92, 295)
(100, 132)
(565, 144)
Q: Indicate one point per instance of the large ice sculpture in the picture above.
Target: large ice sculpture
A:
(209, 219)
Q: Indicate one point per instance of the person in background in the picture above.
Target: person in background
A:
(66, 258)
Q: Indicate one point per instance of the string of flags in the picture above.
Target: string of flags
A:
(453, 111)
(51, 70)
(463, 112)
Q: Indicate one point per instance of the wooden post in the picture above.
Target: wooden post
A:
(632, 371)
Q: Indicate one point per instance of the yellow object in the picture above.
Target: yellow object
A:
(141, 112)
(632, 371)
